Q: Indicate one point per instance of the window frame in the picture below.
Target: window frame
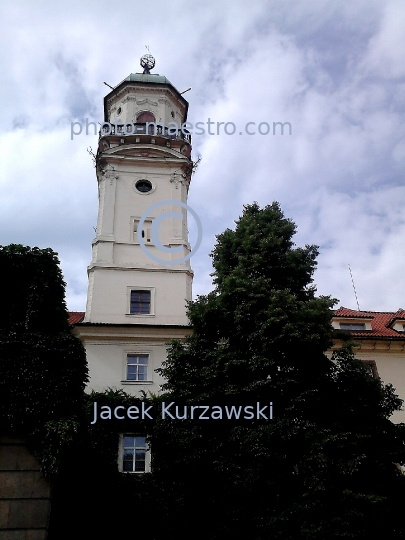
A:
(145, 181)
(137, 349)
(373, 365)
(399, 326)
(135, 288)
(137, 355)
(140, 120)
(355, 327)
(146, 231)
(140, 179)
(121, 453)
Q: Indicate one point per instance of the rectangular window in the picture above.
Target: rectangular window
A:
(134, 454)
(137, 367)
(146, 231)
(372, 367)
(140, 303)
(353, 327)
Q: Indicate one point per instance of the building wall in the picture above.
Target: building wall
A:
(389, 358)
(107, 347)
(169, 292)
(24, 493)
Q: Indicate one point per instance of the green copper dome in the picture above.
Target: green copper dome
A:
(147, 78)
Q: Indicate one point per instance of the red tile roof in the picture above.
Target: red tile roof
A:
(381, 322)
(76, 316)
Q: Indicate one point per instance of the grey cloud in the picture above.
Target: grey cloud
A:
(332, 69)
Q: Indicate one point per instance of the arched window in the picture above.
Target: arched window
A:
(145, 117)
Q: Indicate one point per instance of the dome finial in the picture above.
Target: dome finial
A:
(147, 61)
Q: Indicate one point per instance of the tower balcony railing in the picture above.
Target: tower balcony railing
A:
(144, 129)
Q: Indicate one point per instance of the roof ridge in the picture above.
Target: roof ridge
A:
(377, 312)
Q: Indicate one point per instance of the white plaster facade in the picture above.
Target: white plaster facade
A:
(381, 344)
(136, 305)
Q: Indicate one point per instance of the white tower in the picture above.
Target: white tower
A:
(137, 294)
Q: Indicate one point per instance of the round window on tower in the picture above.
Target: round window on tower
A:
(143, 186)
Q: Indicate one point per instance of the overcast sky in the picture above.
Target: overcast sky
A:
(335, 70)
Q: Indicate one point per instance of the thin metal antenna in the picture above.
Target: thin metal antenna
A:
(354, 288)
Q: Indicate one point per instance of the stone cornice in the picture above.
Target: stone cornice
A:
(129, 332)
(373, 344)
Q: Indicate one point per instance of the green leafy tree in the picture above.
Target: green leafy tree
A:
(325, 466)
(43, 368)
